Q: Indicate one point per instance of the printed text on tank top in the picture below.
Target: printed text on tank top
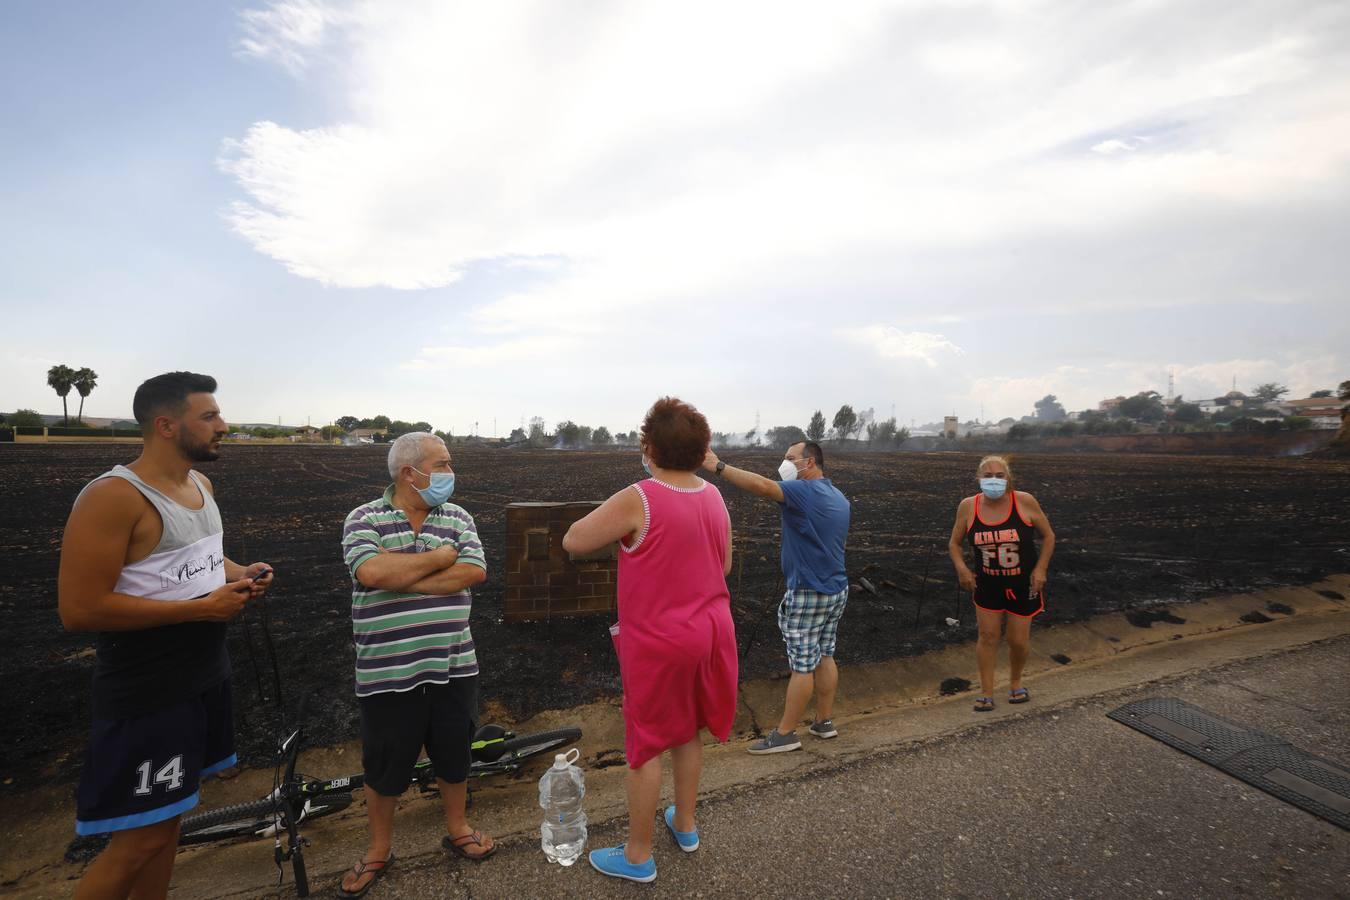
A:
(998, 544)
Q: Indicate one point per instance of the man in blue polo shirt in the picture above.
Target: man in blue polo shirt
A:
(815, 527)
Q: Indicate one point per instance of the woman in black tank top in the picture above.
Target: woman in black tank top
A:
(1008, 582)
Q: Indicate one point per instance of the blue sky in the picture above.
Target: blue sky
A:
(463, 214)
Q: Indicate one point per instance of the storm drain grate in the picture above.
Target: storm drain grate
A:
(1262, 760)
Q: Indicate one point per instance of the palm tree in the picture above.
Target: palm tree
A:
(85, 381)
(61, 378)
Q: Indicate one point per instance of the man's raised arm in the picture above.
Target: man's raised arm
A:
(746, 481)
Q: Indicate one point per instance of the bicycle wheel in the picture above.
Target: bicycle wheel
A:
(222, 823)
(259, 818)
(527, 745)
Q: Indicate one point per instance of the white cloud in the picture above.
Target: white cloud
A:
(1114, 145)
(513, 352)
(874, 165)
(289, 31)
(645, 135)
(891, 343)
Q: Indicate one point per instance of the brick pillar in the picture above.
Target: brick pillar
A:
(542, 579)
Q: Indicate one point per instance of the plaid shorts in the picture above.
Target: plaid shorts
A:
(809, 621)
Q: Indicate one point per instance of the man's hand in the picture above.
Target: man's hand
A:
(448, 553)
(1037, 581)
(967, 578)
(710, 461)
(252, 571)
(226, 601)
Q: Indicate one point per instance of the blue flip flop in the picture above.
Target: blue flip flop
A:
(688, 840)
(1018, 696)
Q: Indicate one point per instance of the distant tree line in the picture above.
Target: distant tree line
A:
(1147, 410)
(848, 428)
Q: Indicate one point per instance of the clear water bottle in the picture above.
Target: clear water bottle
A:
(563, 833)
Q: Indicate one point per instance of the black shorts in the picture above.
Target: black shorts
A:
(146, 769)
(1015, 599)
(396, 725)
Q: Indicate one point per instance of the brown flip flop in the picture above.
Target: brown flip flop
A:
(376, 867)
(459, 845)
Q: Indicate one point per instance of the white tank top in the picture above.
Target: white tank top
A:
(189, 560)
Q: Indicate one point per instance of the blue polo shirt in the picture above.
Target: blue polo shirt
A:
(815, 526)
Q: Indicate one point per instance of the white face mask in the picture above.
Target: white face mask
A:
(787, 470)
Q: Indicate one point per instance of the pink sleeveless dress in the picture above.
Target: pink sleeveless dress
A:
(677, 643)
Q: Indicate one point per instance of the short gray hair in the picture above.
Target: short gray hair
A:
(406, 450)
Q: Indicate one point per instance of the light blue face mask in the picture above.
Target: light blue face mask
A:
(994, 487)
(441, 487)
(646, 467)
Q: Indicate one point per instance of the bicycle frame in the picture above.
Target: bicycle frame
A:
(294, 798)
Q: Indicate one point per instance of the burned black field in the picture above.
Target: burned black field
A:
(1137, 533)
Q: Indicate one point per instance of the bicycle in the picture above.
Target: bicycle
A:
(297, 798)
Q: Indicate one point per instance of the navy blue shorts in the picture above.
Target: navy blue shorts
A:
(146, 769)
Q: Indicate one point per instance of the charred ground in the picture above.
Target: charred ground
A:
(1135, 533)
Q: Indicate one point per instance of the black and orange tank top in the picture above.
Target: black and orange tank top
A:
(1006, 551)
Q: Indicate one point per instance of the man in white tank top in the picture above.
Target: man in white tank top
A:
(142, 564)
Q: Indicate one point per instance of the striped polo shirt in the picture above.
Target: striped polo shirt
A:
(404, 640)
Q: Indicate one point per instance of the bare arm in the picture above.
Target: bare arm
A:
(955, 547)
(621, 516)
(458, 577)
(1041, 523)
(93, 550)
(746, 481)
(402, 571)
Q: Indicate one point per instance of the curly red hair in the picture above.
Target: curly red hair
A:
(676, 435)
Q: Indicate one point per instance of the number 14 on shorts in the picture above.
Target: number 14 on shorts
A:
(170, 774)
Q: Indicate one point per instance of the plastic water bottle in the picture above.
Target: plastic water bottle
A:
(563, 833)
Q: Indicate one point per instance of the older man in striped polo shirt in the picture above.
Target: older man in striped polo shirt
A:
(414, 556)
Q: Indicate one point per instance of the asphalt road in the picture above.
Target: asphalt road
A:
(1055, 802)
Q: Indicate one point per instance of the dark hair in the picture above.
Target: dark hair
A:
(168, 393)
(812, 449)
(676, 435)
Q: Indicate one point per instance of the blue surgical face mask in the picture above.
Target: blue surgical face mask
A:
(994, 487)
(646, 466)
(441, 487)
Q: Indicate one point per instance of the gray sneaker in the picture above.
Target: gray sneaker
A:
(773, 742)
(823, 729)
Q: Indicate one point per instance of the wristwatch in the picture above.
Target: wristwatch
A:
(720, 466)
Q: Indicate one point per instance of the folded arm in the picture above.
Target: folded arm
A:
(401, 571)
(461, 576)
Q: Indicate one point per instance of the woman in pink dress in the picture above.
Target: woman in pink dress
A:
(676, 641)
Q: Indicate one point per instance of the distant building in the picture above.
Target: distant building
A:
(366, 435)
(1325, 412)
(1210, 407)
(1110, 404)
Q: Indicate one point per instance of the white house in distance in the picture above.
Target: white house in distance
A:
(1235, 399)
(1325, 412)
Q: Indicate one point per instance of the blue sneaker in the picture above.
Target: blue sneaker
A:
(688, 840)
(611, 861)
